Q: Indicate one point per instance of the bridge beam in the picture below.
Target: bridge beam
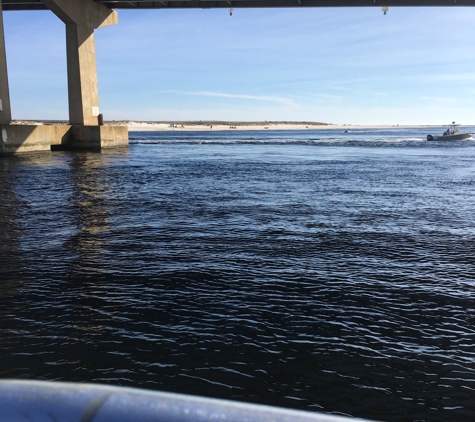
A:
(5, 109)
(82, 17)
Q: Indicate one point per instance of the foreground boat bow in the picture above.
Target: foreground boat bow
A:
(70, 402)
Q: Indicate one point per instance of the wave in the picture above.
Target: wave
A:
(257, 141)
(363, 137)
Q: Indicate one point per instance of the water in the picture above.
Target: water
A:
(316, 270)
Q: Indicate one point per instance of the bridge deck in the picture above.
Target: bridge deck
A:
(205, 4)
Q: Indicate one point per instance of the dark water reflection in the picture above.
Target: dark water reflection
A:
(329, 278)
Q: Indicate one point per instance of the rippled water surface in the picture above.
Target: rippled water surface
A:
(315, 270)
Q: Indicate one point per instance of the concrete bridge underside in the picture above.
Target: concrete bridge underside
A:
(184, 4)
(81, 19)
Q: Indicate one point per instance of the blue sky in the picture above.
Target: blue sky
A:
(334, 65)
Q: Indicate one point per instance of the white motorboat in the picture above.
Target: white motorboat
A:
(451, 134)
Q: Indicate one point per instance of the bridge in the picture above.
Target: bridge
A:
(82, 18)
(207, 4)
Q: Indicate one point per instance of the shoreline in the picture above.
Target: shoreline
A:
(183, 126)
(136, 126)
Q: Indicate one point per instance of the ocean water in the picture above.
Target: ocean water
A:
(317, 270)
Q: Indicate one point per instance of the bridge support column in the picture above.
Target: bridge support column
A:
(82, 17)
(82, 75)
(5, 111)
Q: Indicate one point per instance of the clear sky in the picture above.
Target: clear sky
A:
(334, 65)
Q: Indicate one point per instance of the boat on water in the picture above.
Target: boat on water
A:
(451, 134)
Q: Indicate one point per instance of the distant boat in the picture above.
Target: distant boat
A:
(451, 134)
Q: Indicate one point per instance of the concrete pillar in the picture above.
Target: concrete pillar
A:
(82, 75)
(5, 110)
(81, 18)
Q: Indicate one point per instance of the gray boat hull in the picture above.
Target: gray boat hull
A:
(456, 137)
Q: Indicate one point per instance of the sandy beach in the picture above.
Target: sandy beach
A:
(141, 126)
(207, 126)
